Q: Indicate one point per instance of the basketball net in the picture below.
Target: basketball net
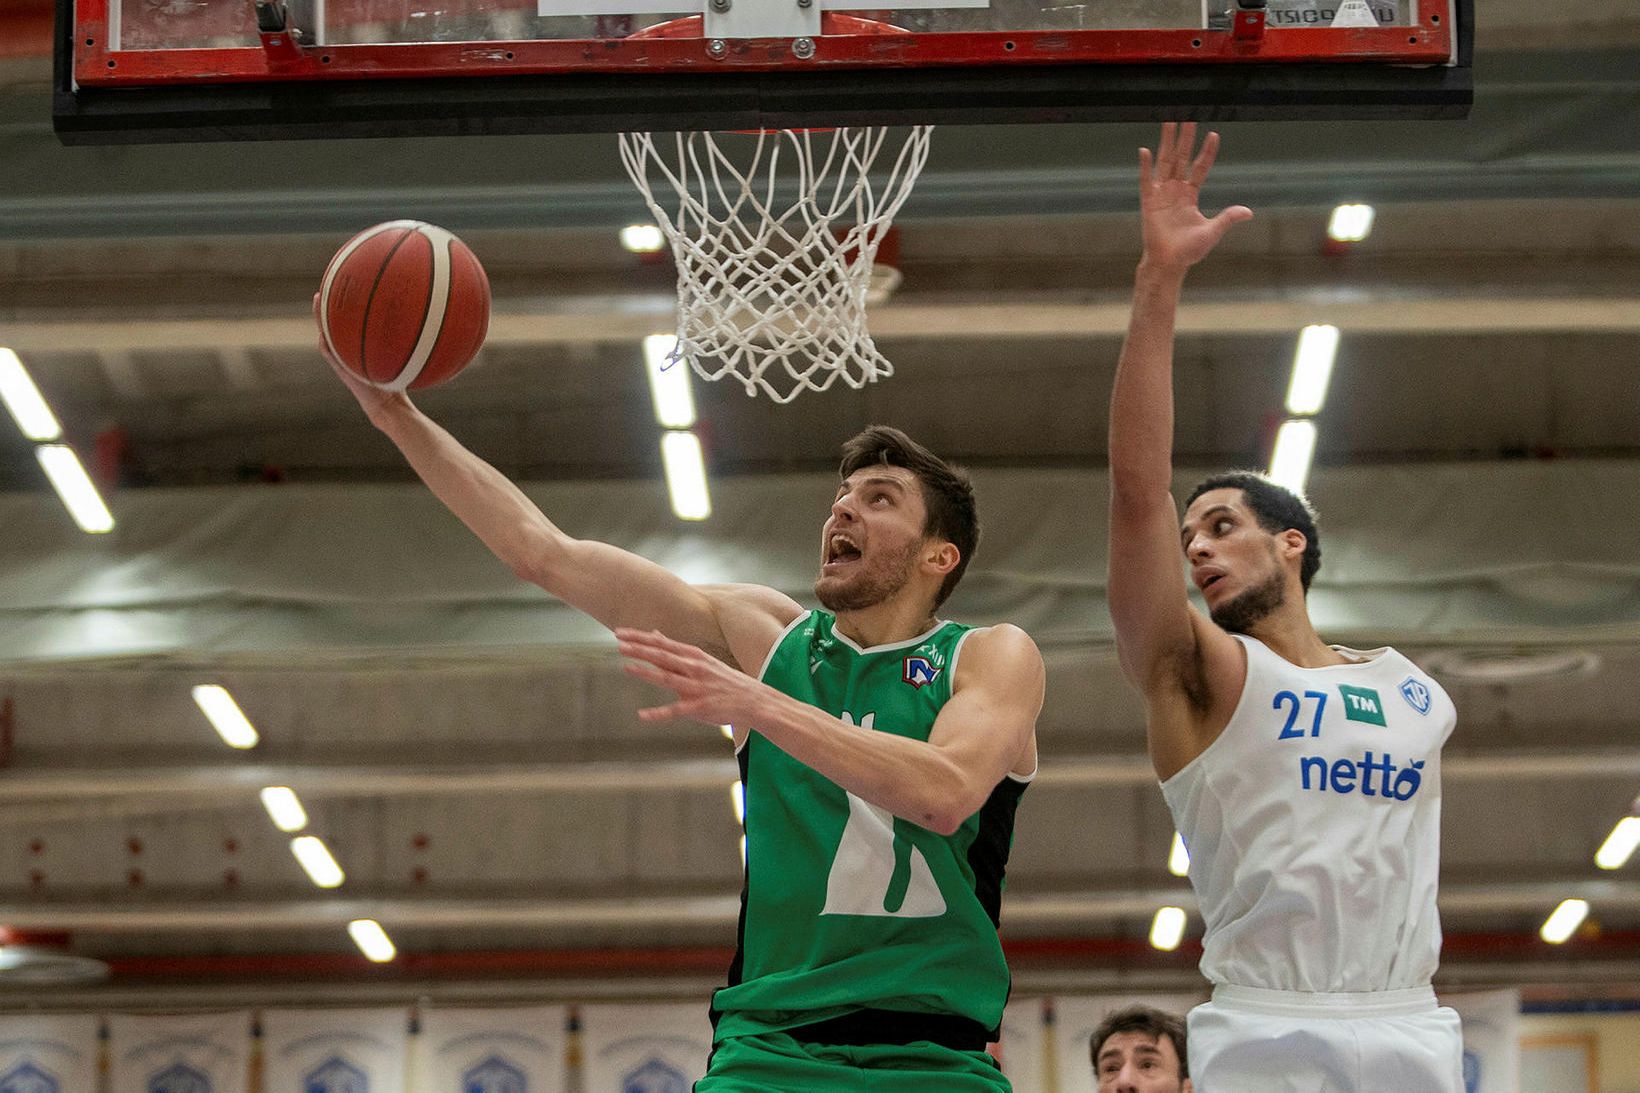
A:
(773, 271)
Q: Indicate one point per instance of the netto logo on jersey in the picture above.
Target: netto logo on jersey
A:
(1371, 777)
(919, 672)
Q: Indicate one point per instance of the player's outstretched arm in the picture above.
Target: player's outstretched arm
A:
(737, 623)
(1166, 649)
(984, 731)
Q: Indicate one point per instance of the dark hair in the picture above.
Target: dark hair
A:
(1277, 508)
(948, 493)
(1151, 1022)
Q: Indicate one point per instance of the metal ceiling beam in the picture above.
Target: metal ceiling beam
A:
(216, 782)
(120, 369)
(180, 786)
(1024, 910)
(630, 318)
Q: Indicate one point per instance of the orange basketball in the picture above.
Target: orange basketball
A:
(404, 304)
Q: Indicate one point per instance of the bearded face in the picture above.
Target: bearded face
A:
(1234, 562)
(1245, 610)
(853, 582)
(870, 546)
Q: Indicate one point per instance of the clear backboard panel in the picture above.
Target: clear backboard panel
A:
(754, 63)
(145, 25)
(603, 35)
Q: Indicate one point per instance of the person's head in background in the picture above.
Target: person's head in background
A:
(1140, 1050)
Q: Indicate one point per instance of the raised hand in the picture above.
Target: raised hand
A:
(1176, 234)
(707, 690)
(372, 399)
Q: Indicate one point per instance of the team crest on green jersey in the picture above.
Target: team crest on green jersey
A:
(919, 671)
(923, 666)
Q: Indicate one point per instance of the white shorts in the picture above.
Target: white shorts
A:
(1248, 1040)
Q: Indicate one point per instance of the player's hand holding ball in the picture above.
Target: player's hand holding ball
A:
(403, 305)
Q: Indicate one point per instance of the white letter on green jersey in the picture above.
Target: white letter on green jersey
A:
(862, 873)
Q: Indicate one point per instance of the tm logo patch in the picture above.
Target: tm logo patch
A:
(1362, 704)
(919, 672)
(1417, 694)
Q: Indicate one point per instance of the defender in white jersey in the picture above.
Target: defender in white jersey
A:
(1304, 777)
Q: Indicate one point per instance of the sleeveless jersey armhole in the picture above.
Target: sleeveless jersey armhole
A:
(768, 659)
(1246, 644)
(950, 689)
(956, 659)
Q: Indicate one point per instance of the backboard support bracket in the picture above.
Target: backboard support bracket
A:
(731, 19)
(1250, 20)
(278, 37)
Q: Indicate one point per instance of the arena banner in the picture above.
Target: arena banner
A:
(201, 1053)
(1075, 1020)
(515, 1050)
(1043, 563)
(1491, 1040)
(653, 1048)
(48, 1054)
(335, 1051)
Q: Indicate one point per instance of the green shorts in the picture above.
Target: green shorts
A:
(773, 1062)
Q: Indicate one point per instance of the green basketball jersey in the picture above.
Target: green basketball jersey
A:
(847, 907)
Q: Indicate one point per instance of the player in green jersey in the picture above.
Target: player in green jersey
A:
(883, 753)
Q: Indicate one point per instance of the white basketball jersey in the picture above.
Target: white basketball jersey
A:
(1314, 825)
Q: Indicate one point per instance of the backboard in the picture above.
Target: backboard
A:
(140, 70)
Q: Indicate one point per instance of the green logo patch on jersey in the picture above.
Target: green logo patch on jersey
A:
(1362, 704)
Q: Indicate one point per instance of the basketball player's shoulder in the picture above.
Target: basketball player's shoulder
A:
(1422, 690)
(1002, 636)
(751, 617)
(1003, 649)
(755, 598)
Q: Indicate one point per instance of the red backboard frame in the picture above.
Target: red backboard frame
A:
(274, 90)
(1432, 41)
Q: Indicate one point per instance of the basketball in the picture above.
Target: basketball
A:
(404, 305)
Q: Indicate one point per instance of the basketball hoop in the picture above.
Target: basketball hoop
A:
(774, 234)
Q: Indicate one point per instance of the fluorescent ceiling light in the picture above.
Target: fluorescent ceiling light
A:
(737, 797)
(1295, 446)
(225, 716)
(1167, 928)
(643, 238)
(74, 486)
(728, 731)
(1312, 368)
(686, 475)
(372, 940)
(28, 408)
(1619, 846)
(1178, 858)
(668, 382)
(1350, 223)
(316, 860)
(1565, 920)
(285, 810)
